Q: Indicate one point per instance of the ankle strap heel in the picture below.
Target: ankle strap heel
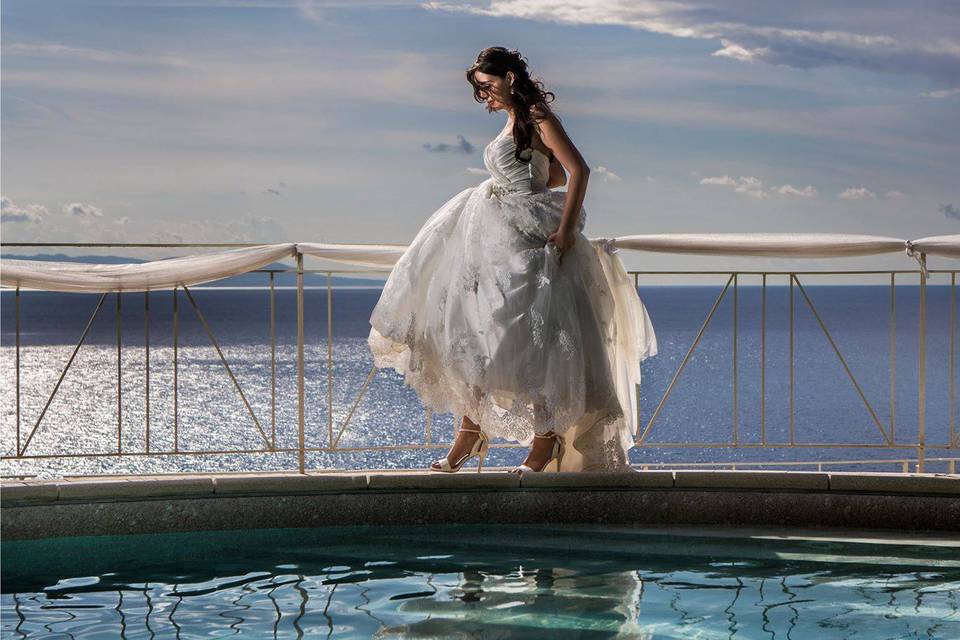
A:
(479, 449)
(559, 447)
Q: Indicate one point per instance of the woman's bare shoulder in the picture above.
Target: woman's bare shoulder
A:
(548, 125)
(542, 112)
(546, 122)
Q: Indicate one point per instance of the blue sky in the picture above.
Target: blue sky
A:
(233, 120)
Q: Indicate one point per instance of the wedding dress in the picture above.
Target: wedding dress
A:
(483, 320)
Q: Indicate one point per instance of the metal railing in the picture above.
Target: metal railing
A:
(885, 430)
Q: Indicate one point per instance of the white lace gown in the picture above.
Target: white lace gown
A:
(483, 321)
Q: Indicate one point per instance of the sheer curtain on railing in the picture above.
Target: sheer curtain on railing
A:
(208, 267)
(140, 276)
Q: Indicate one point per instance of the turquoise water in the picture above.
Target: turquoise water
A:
(459, 581)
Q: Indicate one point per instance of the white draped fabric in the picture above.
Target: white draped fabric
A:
(946, 246)
(784, 245)
(208, 267)
(370, 255)
(142, 276)
(635, 337)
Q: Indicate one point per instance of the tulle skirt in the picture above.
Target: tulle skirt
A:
(483, 320)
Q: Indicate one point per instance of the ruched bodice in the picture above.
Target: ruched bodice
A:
(511, 174)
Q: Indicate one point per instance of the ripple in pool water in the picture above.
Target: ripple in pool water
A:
(461, 581)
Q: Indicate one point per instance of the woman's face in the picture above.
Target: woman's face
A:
(494, 89)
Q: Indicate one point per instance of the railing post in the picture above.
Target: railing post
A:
(119, 378)
(300, 393)
(176, 366)
(17, 314)
(922, 374)
(146, 366)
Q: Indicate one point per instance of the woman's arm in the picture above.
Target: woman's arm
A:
(554, 137)
(558, 177)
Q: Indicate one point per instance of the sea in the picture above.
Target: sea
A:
(845, 343)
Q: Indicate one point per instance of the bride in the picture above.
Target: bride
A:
(501, 310)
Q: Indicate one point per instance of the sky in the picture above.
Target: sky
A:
(271, 121)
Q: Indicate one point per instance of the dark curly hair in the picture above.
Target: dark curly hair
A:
(525, 93)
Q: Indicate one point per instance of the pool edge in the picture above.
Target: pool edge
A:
(193, 502)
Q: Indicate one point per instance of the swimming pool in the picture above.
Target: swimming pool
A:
(503, 581)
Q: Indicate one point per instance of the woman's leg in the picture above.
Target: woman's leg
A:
(542, 448)
(464, 442)
(540, 451)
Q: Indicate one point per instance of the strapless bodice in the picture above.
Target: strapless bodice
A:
(512, 175)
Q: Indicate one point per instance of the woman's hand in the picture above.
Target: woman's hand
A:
(563, 239)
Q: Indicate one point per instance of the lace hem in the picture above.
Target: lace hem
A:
(594, 436)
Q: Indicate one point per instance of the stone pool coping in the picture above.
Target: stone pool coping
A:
(183, 502)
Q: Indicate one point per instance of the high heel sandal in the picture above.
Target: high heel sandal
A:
(480, 448)
(559, 446)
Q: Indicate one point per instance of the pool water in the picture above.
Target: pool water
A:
(459, 581)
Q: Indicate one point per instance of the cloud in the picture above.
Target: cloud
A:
(736, 52)
(312, 11)
(76, 227)
(923, 44)
(893, 195)
(789, 190)
(52, 49)
(943, 93)
(277, 190)
(753, 187)
(950, 211)
(606, 175)
(462, 146)
(324, 11)
(290, 76)
(249, 227)
(82, 211)
(723, 181)
(747, 185)
(30, 214)
(278, 75)
(857, 193)
(477, 171)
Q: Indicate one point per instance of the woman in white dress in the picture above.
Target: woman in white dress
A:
(501, 311)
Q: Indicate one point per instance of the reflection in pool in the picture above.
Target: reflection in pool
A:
(487, 581)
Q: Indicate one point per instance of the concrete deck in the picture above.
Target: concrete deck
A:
(143, 504)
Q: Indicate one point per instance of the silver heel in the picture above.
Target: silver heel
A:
(559, 448)
(479, 448)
